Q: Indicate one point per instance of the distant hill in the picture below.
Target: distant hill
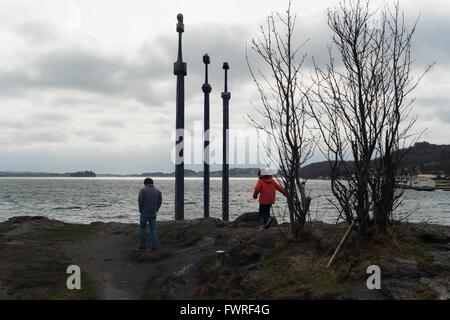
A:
(316, 170)
(428, 158)
(78, 174)
(83, 174)
(423, 157)
(234, 172)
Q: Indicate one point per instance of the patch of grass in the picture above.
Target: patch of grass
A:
(147, 255)
(181, 238)
(149, 294)
(207, 263)
(222, 239)
(37, 270)
(2, 243)
(384, 247)
(294, 271)
(46, 279)
(318, 280)
(4, 227)
(69, 232)
(419, 252)
(87, 291)
(287, 279)
(35, 276)
(190, 241)
(424, 292)
(275, 266)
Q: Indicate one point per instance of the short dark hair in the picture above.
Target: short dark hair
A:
(148, 181)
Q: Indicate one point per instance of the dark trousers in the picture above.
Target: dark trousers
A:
(264, 211)
(144, 219)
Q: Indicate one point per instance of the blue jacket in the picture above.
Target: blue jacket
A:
(150, 200)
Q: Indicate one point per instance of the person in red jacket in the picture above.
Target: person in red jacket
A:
(266, 188)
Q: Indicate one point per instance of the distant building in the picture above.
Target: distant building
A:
(423, 183)
(429, 176)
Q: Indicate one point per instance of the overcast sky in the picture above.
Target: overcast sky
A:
(90, 84)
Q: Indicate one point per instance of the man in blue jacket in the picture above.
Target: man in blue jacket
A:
(150, 200)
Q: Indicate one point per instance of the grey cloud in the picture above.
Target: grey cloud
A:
(139, 78)
(31, 137)
(428, 44)
(222, 43)
(14, 82)
(438, 106)
(102, 137)
(78, 69)
(430, 40)
(148, 77)
(87, 71)
(44, 120)
(111, 124)
(444, 116)
(36, 32)
(49, 117)
(6, 123)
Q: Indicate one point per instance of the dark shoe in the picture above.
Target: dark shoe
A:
(268, 223)
(142, 248)
(154, 249)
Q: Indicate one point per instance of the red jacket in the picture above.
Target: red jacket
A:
(266, 188)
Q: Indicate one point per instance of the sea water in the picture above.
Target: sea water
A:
(85, 200)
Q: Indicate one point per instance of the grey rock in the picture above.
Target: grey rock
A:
(434, 233)
(250, 219)
(440, 264)
(247, 217)
(15, 243)
(441, 286)
(22, 219)
(398, 268)
(434, 237)
(361, 292)
(239, 256)
(400, 289)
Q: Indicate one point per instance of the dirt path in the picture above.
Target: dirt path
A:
(180, 280)
(105, 262)
(118, 271)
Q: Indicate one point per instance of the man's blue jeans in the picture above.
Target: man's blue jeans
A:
(152, 226)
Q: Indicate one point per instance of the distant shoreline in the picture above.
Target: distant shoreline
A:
(25, 174)
(234, 172)
(123, 177)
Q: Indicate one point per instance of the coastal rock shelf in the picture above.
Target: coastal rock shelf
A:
(253, 264)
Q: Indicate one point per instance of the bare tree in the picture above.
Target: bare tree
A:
(283, 109)
(397, 85)
(361, 105)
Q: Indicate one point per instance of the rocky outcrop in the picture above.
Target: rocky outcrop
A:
(253, 264)
(426, 277)
(250, 219)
